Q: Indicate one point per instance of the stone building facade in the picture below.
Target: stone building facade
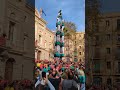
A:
(80, 45)
(16, 38)
(74, 49)
(103, 52)
(44, 39)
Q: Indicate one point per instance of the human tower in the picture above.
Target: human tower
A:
(59, 37)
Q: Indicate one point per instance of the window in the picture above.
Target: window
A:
(9, 69)
(118, 23)
(118, 67)
(107, 22)
(25, 18)
(80, 60)
(80, 53)
(96, 67)
(38, 55)
(118, 52)
(50, 46)
(49, 55)
(107, 36)
(0, 30)
(109, 81)
(80, 47)
(11, 30)
(45, 43)
(108, 65)
(97, 52)
(96, 27)
(97, 80)
(25, 42)
(117, 80)
(108, 50)
(97, 38)
(75, 42)
(118, 37)
(40, 39)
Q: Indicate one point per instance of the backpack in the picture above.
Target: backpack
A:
(73, 87)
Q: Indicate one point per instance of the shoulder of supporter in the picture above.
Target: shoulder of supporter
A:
(74, 83)
(63, 81)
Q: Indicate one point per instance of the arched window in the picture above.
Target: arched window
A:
(12, 15)
(9, 69)
(109, 81)
(38, 55)
(11, 30)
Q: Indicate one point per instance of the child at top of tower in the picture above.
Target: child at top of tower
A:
(60, 14)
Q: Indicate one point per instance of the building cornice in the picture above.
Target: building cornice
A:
(109, 15)
(80, 32)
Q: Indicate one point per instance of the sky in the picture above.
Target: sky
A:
(72, 10)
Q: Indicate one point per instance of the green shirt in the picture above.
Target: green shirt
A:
(45, 70)
(63, 68)
(48, 68)
(72, 67)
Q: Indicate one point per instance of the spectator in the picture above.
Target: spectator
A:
(69, 83)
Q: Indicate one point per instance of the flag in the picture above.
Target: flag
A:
(43, 12)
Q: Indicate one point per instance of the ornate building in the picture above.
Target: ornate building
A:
(44, 39)
(16, 38)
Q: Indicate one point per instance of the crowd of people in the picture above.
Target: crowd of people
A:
(17, 85)
(51, 76)
(60, 76)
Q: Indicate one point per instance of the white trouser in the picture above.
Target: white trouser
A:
(82, 87)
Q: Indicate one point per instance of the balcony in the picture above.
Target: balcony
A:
(117, 55)
(96, 71)
(37, 45)
(117, 72)
(117, 29)
(2, 43)
(96, 67)
(118, 41)
(96, 43)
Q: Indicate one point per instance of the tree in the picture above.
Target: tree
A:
(69, 30)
